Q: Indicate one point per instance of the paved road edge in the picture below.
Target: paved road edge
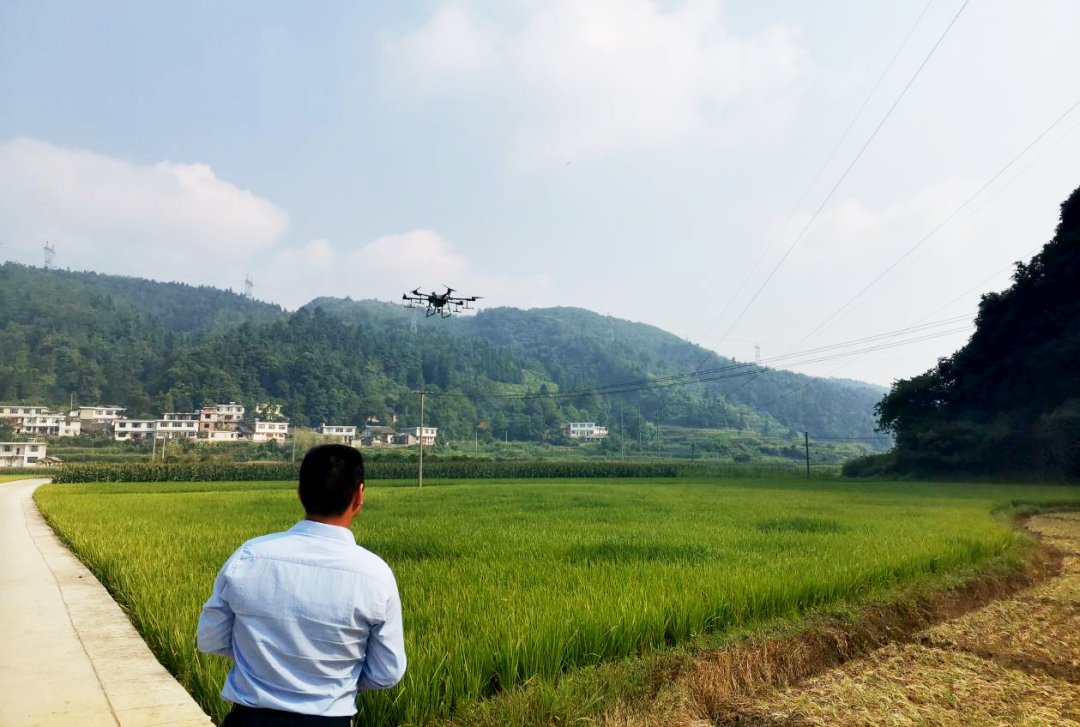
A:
(141, 692)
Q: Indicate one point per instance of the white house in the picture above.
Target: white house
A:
(231, 412)
(220, 416)
(56, 425)
(99, 414)
(176, 428)
(428, 437)
(125, 430)
(589, 431)
(180, 416)
(222, 435)
(336, 430)
(21, 454)
(8, 411)
(268, 431)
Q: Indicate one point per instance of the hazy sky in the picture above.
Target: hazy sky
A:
(633, 157)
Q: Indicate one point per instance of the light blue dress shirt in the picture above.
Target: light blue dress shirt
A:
(310, 619)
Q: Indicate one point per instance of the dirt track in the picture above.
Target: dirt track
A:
(1015, 661)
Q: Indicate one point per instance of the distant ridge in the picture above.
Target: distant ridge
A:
(170, 346)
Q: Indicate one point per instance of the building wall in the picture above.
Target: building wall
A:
(22, 454)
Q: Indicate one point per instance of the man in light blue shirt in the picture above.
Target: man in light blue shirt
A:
(309, 617)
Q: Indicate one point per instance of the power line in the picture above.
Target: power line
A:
(719, 374)
(817, 176)
(974, 212)
(916, 323)
(844, 175)
(701, 374)
(939, 225)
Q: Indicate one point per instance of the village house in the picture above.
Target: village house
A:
(21, 454)
(8, 411)
(177, 425)
(406, 439)
(221, 435)
(220, 416)
(412, 435)
(53, 425)
(99, 414)
(260, 431)
(344, 433)
(126, 430)
(376, 436)
(589, 431)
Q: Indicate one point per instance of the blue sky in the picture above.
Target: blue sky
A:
(628, 156)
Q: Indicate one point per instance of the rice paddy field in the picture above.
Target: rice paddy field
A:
(505, 583)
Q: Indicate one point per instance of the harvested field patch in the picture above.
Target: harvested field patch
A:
(1016, 661)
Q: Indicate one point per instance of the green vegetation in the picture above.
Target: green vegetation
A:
(504, 583)
(377, 470)
(154, 347)
(1007, 404)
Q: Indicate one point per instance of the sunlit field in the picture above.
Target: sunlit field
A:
(12, 478)
(502, 581)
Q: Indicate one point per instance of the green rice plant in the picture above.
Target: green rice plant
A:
(503, 582)
(377, 470)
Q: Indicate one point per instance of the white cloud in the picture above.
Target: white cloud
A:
(389, 266)
(585, 78)
(168, 220)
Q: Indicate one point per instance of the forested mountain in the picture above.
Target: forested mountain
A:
(155, 346)
(1007, 403)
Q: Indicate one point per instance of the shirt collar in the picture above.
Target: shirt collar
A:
(322, 530)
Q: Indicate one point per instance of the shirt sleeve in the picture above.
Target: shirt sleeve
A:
(216, 622)
(384, 663)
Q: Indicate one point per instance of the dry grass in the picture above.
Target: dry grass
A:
(907, 684)
(994, 652)
(1015, 661)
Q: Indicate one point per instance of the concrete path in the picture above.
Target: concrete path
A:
(68, 654)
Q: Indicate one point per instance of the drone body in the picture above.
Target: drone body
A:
(443, 304)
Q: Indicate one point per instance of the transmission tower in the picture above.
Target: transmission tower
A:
(249, 287)
(757, 353)
(412, 323)
(50, 254)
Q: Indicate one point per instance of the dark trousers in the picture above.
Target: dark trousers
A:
(242, 716)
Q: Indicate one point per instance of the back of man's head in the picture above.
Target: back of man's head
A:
(330, 476)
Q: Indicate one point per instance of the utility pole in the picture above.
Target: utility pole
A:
(757, 353)
(622, 433)
(806, 439)
(657, 426)
(476, 441)
(421, 438)
(294, 444)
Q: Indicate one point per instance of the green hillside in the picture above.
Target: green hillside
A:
(166, 346)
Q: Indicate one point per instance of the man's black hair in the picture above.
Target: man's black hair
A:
(330, 475)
